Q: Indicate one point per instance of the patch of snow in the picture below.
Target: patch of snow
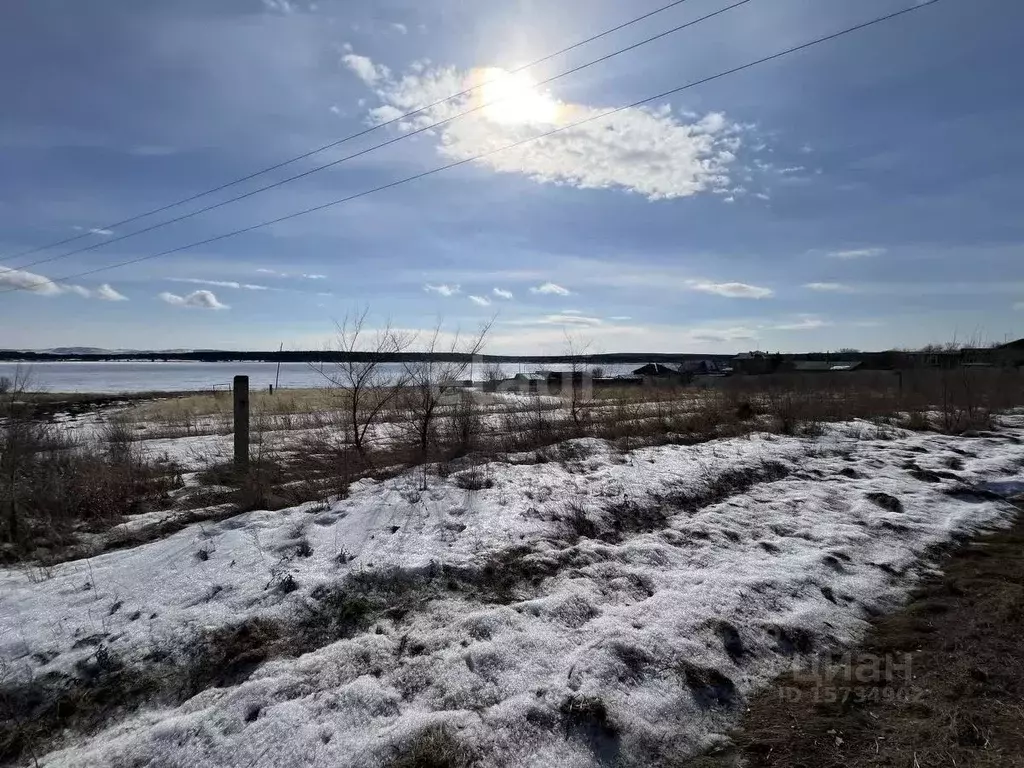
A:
(726, 586)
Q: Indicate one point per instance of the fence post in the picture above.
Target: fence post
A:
(241, 390)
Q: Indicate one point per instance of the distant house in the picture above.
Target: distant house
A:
(657, 370)
(661, 374)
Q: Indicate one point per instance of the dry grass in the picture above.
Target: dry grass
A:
(221, 404)
(52, 490)
(302, 452)
(956, 702)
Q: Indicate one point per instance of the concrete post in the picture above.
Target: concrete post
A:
(241, 390)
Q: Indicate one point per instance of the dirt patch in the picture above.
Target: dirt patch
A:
(437, 746)
(939, 683)
(616, 522)
(586, 719)
(885, 501)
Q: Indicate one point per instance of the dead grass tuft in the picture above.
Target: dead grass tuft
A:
(436, 746)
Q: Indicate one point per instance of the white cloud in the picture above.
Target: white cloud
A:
(275, 273)
(279, 6)
(502, 294)
(367, 71)
(483, 301)
(199, 299)
(219, 283)
(33, 283)
(571, 312)
(719, 335)
(731, 290)
(444, 289)
(551, 289)
(860, 253)
(830, 287)
(560, 319)
(28, 281)
(400, 28)
(78, 290)
(712, 122)
(107, 293)
(620, 318)
(805, 323)
(647, 150)
(99, 231)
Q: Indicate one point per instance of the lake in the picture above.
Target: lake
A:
(115, 377)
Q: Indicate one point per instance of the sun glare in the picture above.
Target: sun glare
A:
(514, 98)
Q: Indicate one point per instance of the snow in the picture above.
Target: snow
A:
(621, 619)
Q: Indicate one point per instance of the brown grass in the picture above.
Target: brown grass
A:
(53, 490)
(960, 702)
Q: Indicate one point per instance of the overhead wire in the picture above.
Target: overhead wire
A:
(415, 177)
(345, 139)
(368, 150)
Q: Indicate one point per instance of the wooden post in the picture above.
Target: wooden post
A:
(277, 378)
(241, 390)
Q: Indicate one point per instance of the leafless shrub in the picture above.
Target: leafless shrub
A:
(364, 387)
(492, 372)
(433, 380)
(574, 521)
(52, 488)
(463, 427)
(580, 387)
(473, 480)
(118, 436)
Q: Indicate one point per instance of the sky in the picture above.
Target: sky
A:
(863, 193)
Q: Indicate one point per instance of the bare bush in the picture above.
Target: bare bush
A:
(364, 386)
(52, 488)
(580, 393)
(433, 381)
(492, 372)
(463, 426)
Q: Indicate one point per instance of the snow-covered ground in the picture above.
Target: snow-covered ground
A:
(702, 572)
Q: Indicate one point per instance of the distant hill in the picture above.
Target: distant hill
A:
(75, 351)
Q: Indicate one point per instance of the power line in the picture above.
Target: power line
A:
(457, 163)
(345, 139)
(402, 137)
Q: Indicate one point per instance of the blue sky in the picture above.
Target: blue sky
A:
(864, 193)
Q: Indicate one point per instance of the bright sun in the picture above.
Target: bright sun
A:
(514, 98)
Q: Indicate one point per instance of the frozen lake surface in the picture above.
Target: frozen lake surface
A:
(113, 377)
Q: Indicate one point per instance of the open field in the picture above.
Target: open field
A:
(601, 578)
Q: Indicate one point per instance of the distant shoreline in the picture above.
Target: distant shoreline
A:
(13, 356)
